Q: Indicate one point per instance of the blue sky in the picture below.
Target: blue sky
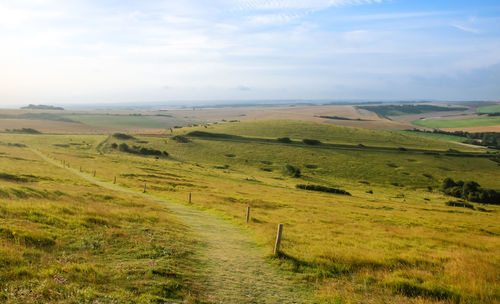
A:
(114, 51)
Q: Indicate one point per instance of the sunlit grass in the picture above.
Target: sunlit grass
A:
(63, 239)
(394, 240)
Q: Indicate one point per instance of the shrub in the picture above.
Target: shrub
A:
(123, 136)
(124, 147)
(470, 191)
(114, 145)
(459, 204)
(285, 140)
(141, 150)
(291, 171)
(322, 189)
(312, 142)
(181, 139)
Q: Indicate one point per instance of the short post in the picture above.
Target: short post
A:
(80, 168)
(248, 214)
(144, 191)
(94, 173)
(278, 240)
(190, 197)
(114, 180)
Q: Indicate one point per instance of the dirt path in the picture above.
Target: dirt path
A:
(233, 268)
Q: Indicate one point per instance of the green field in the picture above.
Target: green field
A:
(444, 137)
(458, 123)
(489, 109)
(393, 240)
(299, 130)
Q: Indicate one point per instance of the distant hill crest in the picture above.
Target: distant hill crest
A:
(42, 107)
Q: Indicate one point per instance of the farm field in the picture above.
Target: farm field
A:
(392, 240)
(458, 123)
(438, 136)
(157, 121)
(489, 109)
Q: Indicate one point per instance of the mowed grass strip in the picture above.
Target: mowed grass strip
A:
(458, 123)
(64, 240)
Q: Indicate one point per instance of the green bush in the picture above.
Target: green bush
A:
(470, 191)
(123, 136)
(322, 189)
(181, 139)
(312, 142)
(459, 204)
(285, 140)
(291, 171)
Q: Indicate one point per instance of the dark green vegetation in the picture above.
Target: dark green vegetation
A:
(138, 150)
(312, 142)
(471, 191)
(23, 130)
(123, 136)
(291, 171)
(285, 140)
(460, 204)
(341, 118)
(322, 189)
(396, 110)
(180, 139)
(41, 107)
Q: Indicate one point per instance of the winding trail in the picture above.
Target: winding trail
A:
(233, 268)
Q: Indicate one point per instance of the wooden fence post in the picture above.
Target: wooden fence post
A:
(94, 173)
(80, 168)
(190, 197)
(248, 214)
(144, 188)
(278, 240)
(114, 180)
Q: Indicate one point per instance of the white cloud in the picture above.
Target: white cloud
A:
(465, 28)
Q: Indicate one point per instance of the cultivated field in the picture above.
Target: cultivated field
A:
(489, 109)
(459, 123)
(393, 240)
(157, 121)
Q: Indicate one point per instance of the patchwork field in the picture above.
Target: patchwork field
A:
(157, 121)
(392, 240)
(489, 109)
(459, 123)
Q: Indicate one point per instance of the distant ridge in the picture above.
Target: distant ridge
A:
(41, 107)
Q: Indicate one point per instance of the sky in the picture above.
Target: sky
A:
(123, 51)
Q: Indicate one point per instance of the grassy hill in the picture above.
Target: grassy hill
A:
(393, 240)
(65, 240)
(299, 130)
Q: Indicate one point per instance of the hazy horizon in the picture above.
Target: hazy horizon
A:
(81, 52)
